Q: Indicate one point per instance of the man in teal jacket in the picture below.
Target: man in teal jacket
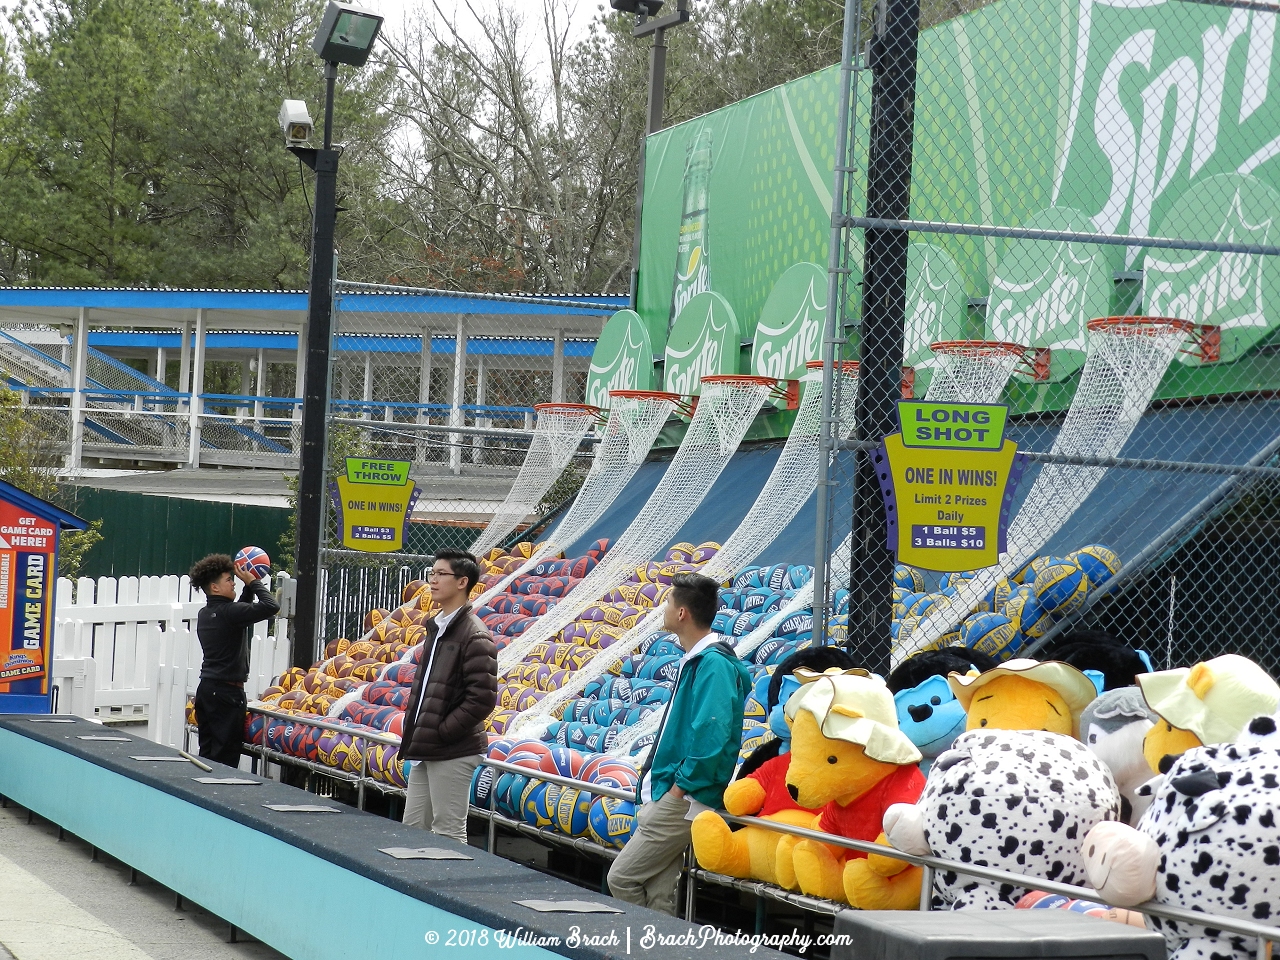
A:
(694, 753)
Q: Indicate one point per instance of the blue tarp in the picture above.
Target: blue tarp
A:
(1127, 511)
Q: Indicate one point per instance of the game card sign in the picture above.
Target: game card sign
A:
(28, 564)
(374, 501)
(948, 481)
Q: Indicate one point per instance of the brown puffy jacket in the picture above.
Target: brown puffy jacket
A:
(446, 721)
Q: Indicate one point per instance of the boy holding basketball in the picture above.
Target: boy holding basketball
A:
(224, 626)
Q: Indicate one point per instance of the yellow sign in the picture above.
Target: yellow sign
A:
(947, 509)
(373, 515)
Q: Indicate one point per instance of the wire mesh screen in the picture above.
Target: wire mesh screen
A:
(448, 383)
(1019, 171)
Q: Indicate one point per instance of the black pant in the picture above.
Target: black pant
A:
(220, 713)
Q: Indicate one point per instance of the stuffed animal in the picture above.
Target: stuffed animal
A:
(1088, 650)
(1113, 727)
(849, 758)
(1014, 800)
(1208, 842)
(1204, 704)
(760, 789)
(1025, 695)
(928, 711)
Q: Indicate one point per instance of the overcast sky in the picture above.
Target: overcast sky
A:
(581, 12)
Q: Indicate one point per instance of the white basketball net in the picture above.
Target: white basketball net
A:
(971, 371)
(1125, 364)
(790, 484)
(969, 377)
(556, 436)
(725, 411)
(632, 427)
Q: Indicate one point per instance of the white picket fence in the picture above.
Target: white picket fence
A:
(126, 649)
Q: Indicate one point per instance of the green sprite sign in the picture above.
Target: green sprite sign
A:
(1110, 115)
(1236, 291)
(703, 342)
(789, 333)
(936, 302)
(622, 360)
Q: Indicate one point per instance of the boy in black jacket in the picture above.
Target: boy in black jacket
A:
(224, 627)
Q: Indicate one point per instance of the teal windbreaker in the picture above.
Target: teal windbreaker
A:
(702, 733)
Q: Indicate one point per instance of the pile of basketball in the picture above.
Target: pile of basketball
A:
(608, 821)
(1020, 608)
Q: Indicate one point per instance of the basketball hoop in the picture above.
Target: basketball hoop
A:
(683, 407)
(1206, 337)
(568, 409)
(1029, 361)
(786, 390)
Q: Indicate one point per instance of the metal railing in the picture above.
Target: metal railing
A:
(1263, 933)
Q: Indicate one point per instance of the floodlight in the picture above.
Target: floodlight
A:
(347, 33)
(648, 8)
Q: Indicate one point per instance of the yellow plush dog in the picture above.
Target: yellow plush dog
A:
(849, 758)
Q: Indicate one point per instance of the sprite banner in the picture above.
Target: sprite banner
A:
(622, 360)
(704, 342)
(1139, 117)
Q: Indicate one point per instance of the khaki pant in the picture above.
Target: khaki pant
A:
(648, 868)
(439, 791)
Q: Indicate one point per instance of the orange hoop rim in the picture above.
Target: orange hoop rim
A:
(846, 366)
(566, 408)
(644, 395)
(1142, 325)
(979, 347)
(741, 379)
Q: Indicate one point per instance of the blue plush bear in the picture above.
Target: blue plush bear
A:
(928, 712)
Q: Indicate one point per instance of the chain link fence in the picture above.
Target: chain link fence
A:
(454, 394)
(1016, 174)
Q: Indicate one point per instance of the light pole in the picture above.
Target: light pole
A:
(646, 11)
(346, 36)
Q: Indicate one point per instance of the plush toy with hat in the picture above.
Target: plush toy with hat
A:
(1205, 704)
(849, 758)
(1208, 843)
(1113, 727)
(1015, 800)
(760, 789)
(1025, 695)
(928, 711)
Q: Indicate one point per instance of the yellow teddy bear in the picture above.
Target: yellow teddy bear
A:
(849, 759)
(1025, 695)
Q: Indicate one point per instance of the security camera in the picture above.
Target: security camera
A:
(296, 123)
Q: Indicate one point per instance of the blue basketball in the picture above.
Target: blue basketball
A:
(795, 624)
(723, 621)
(922, 604)
(611, 821)
(538, 803)
(798, 575)
(997, 597)
(254, 561)
(990, 633)
(748, 578)
(744, 623)
(909, 578)
(510, 788)
(1061, 586)
(482, 782)
(902, 602)
(766, 650)
(1099, 563)
(573, 812)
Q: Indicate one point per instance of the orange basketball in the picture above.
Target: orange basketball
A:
(411, 590)
(375, 617)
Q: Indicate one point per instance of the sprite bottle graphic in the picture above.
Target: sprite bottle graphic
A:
(692, 267)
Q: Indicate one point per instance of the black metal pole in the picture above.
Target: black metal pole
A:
(315, 401)
(653, 123)
(884, 295)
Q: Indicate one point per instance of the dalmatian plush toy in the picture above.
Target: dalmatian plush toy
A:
(1016, 800)
(1209, 841)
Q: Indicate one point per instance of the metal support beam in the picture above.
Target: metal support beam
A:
(184, 360)
(79, 363)
(260, 384)
(197, 389)
(557, 369)
(424, 389)
(459, 394)
(892, 58)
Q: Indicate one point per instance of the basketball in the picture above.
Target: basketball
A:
(704, 552)
(573, 812)
(482, 782)
(253, 561)
(533, 803)
(611, 821)
(528, 753)
(1099, 563)
(1061, 586)
(909, 578)
(562, 761)
(990, 633)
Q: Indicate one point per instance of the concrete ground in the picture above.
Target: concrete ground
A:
(56, 902)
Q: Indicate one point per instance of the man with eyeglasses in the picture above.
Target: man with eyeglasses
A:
(454, 691)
